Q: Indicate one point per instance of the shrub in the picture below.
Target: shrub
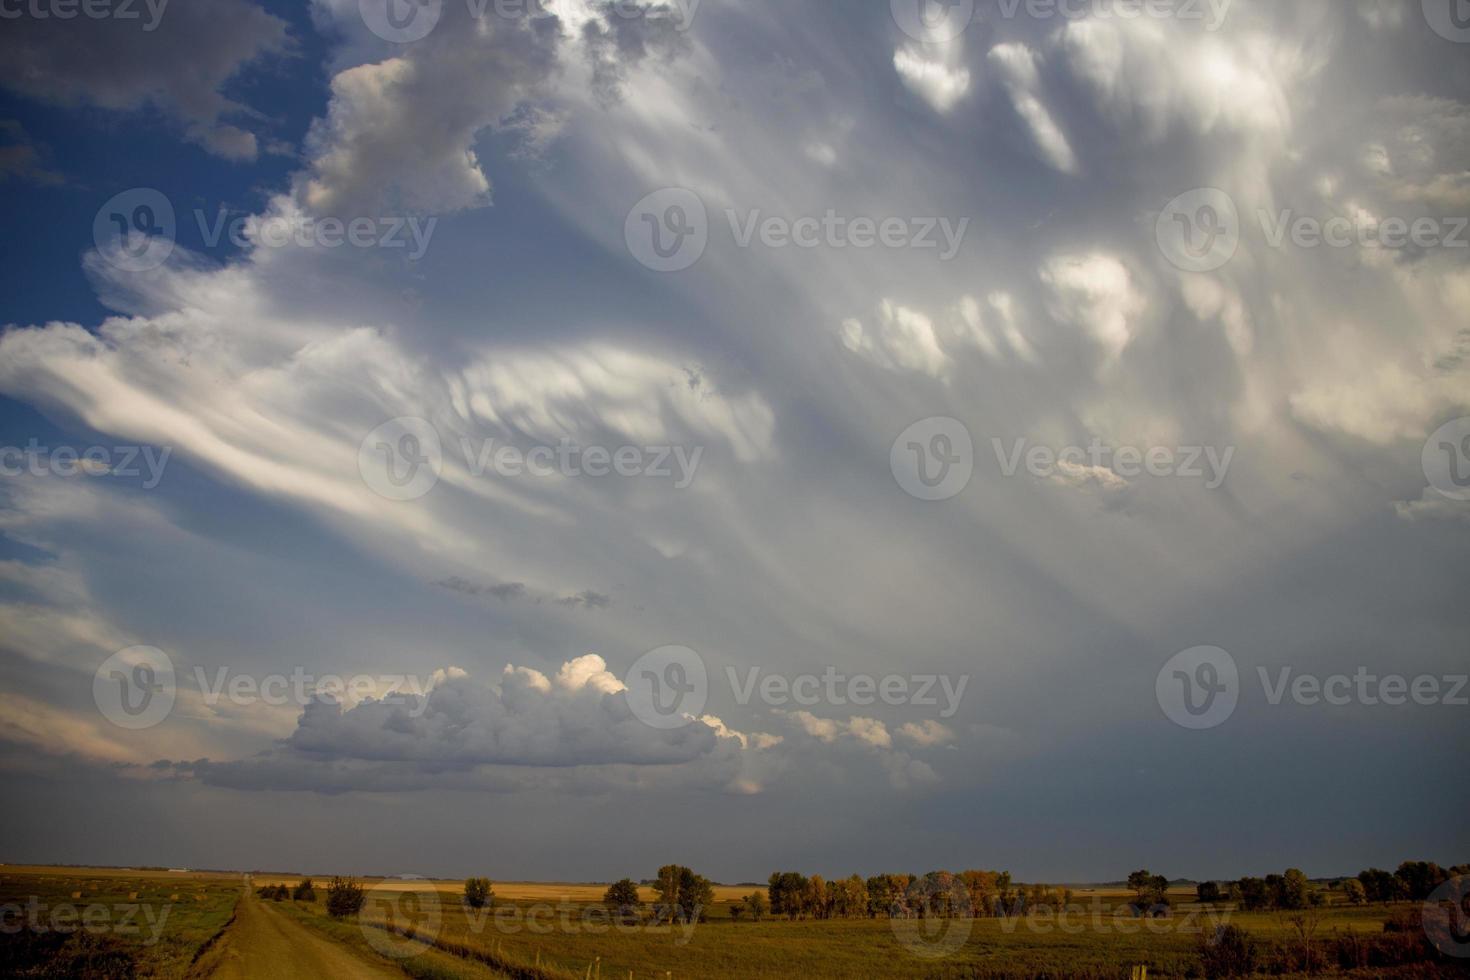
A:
(478, 893)
(1389, 949)
(623, 896)
(344, 897)
(1230, 952)
(1404, 922)
(304, 891)
(78, 956)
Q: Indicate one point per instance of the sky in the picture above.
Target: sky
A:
(553, 440)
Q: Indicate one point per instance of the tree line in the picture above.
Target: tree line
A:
(683, 896)
(1414, 881)
(937, 894)
(304, 891)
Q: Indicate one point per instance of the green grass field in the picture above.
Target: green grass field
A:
(58, 923)
(573, 939)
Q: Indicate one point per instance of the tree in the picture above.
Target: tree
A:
(787, 891)
(755, 906)
(816, 897)
(1275, 891)
(880, 896)
(1305, 925)
(983, 892)
(1040, 896)
(696, 896)
(478, 893)
(938, 895)
(304, 891)
(682, 894)
(1353, 891)
(344, 897)
(854, 897)
(1004, 890)
(1159, 892)
(1253, 895)
(1208, 892)
(1419, 879)
(1380, 885)
(623, 896)
(1150, 891)
(1294, 891)
(667, 887)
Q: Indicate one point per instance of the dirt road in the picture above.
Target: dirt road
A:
(263, 944)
